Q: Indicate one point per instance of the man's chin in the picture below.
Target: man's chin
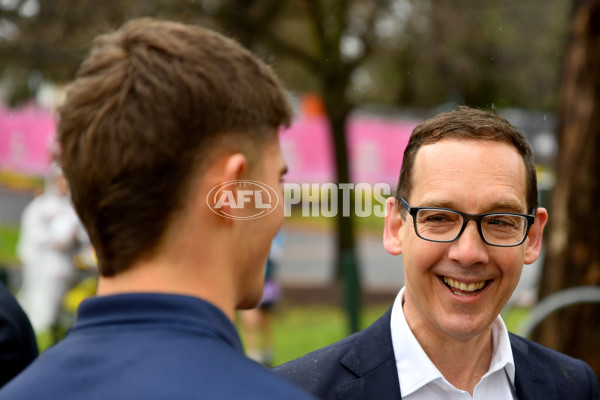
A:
(250, 302)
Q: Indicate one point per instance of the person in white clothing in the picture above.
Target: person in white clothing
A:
(50, 235)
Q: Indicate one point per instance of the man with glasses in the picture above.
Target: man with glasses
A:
(465, 219)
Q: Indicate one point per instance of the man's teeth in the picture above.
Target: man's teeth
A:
(470, 287)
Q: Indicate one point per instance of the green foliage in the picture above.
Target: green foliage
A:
(410, 52)
(9, 236)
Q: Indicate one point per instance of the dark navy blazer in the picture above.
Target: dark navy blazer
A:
(18, 346)
(363, 366)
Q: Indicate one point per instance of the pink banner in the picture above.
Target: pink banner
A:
(375, 146)
(25, 140)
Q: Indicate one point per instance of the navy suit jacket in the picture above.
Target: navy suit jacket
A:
(363, 366)
(18, 347)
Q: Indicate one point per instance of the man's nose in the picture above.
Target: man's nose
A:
(469, 249)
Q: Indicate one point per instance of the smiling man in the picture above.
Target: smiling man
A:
(465, 219)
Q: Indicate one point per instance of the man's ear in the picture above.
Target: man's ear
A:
(393, 227)
(534, 238)
(236, 165)
(232, 167)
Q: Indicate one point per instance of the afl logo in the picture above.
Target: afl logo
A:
(258, 198)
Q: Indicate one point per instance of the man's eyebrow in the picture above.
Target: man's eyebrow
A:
(436, 204)
(499, 206)
(509, 206)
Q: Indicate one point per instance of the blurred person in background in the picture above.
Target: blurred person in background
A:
(465, 219)
(50, 236)
(257, 323)
(160, 114)
(18, 347)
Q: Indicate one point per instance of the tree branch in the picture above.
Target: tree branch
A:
(258, 28)
(317, 18)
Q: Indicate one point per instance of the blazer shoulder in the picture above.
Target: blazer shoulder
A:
(341, 364)
(318, 369)
(541, 353)
(568, 375)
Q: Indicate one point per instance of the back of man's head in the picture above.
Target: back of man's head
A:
(151, 105)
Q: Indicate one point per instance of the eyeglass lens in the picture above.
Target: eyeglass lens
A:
(444, 225)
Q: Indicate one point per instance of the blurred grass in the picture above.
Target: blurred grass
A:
(298, 330)
(302, 329)
(514, 317)
(9, 236)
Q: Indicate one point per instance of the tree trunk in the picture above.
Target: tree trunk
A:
(347, 266)
(573, 251)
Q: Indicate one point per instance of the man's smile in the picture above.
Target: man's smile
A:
(462, 288)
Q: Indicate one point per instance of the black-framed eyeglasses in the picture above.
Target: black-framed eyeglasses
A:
(444, 225)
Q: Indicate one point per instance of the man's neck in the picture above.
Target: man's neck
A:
(158, 277)
(462, 362)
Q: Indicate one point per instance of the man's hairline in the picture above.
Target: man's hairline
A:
(411, 183)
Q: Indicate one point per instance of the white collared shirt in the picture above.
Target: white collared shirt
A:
(421, 380)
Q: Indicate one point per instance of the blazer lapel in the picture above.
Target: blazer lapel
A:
(531, 380)
(371, 359)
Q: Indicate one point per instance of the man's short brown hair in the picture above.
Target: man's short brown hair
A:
(468, 124)
(150, 104)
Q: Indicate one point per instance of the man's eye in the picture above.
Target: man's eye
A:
(438, 218)
(505, 221)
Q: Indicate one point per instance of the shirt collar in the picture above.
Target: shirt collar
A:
(156, 308)
(502, 356)
(416, 370)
